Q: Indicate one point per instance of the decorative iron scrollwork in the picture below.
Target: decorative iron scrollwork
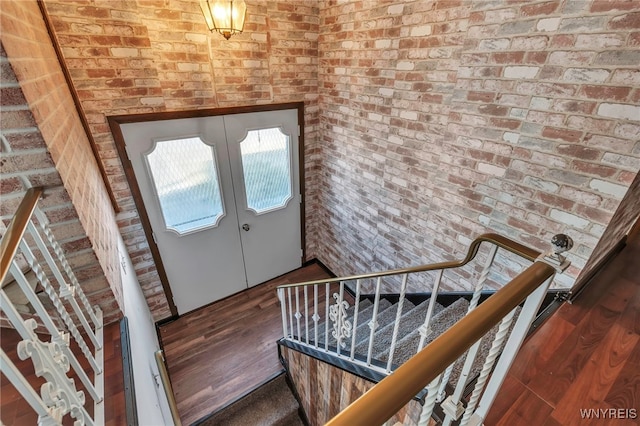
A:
(338, 316)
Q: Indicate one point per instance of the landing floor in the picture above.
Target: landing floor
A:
(221, 352)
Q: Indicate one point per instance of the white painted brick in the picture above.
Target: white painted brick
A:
(511, 137)
(521, 72)
(399, 182)
(396, 140)
(569, 219)
(494, 44)
(623, 111)
(608, 188)
(395, 9)
(540, 103)
(409, 115)
(124, 52)
(586, 75)
(485, 220)
(187, 66)
(202, 38)
(252, 64)
(375, 117)
(548, 24)
(405, 65)
(347, 44)
(491, 169)
(339, 70)
(385, 91)
(423, 30)
(155, 100)
(259, 37)
(383, 44)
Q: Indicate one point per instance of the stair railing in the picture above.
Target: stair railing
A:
(29, 239)
(460, 339)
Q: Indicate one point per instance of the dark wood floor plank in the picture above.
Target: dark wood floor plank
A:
(528, 409)
(591, 386)
(219, 353)
(567, 362)
(594, 365)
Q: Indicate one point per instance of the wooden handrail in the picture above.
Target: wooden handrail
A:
(387, 397)
(168, 389)
(11, 239)
(500, 241)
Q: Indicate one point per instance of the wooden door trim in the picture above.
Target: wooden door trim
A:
(115, 121)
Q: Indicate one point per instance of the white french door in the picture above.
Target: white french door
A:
(222, 194)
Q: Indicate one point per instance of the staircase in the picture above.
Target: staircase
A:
(348, 324)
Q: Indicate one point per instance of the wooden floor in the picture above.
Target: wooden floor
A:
(585, 357)
(221, 352)
(15, 411)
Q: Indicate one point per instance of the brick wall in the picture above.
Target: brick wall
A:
(440, 120)
(43, 143)
(130, 57)
(426, 122)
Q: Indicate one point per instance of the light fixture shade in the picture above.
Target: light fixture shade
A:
(224, 16)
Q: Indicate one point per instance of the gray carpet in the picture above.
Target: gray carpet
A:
(272, 404)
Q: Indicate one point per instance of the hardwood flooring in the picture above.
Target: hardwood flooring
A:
(221, 352)
(14, 410)
(585, 357)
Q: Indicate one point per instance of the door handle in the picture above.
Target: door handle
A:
(246, 227)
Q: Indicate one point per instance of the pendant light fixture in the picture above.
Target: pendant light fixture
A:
(224, 16)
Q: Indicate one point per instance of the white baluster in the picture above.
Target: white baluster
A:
(56, 335)
(429, 401)
(315, 317)
(44, 225)
(396, 327)
(57, 303)
(298, 315)
(49, 362)
(482, 279)
(527, 314)
(355, 321)
(46, 416)
(283, 310)
(290, 312)
(487, 367)
(306, 315)
(326, 316)
(425, 328)
(373, 324)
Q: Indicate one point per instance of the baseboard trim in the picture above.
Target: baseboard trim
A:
(131, 406)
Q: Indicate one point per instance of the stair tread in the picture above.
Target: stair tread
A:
(410, 322)
(440, 322)
(269, 405)
(385, 318)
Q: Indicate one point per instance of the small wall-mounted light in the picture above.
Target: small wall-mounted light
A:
(224, 16)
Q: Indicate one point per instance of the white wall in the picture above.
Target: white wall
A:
(152, 405)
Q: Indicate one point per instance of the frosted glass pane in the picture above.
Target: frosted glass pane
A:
(186, 180)
(266, 169)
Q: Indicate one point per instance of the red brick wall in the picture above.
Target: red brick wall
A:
(440, 120)
(130, 57)
(44, 144)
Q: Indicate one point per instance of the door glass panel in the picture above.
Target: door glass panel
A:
(185, 177)
(266, 169)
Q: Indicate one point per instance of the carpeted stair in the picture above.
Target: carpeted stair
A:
(272, 404)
